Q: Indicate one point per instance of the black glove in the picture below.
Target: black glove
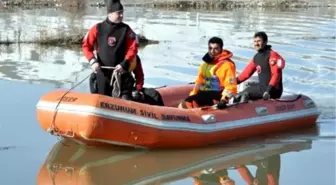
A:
(266, 95)
(238, 81)
(236, 98)
(269, 88)
(125, 64)
(93, 83)
(222, 104)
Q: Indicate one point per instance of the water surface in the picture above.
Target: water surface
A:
(305, 38)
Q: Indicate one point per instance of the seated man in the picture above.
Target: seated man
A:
(216, 78)
(116, 47)
(144, 95)
(269, 65)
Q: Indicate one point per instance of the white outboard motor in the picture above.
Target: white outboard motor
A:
(252, 81)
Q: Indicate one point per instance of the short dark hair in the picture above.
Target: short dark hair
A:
(262, 35)
(216, 40)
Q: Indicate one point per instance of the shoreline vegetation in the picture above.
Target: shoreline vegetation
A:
(188, 4)
(226, 4)
(67, 41)
(77, 5)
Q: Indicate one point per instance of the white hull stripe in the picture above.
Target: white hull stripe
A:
(173, 125)
(103, 141)
(112, 159)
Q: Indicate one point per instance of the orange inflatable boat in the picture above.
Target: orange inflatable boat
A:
(72, 164)
(95, 119)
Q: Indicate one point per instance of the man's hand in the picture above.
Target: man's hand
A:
(255, 182)
(95, 67)
(266, 96)
(119, 68)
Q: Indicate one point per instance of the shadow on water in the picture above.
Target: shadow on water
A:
(72, 163)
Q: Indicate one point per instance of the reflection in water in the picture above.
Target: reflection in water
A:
(34, 63)
(267, 173)
(70, 163)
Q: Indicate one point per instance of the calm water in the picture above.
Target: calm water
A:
(305, 38)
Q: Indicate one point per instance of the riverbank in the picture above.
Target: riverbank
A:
(226, 4)
(193, 4)
(68, 41)
(305, 38)
(42, 3)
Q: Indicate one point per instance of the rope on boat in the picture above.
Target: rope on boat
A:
(115, 83)
(53, 128)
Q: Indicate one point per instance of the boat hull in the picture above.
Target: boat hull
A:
(100, 120)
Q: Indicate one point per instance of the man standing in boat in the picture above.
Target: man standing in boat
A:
(269, 65)
(115, 43)
(216, 79)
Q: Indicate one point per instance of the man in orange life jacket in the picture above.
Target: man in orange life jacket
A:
(269, 65)
(216, 79)
(115, 44)
(220, 177)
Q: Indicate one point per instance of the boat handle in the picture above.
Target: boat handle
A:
(261, 110)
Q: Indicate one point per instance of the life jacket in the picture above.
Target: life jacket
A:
(263, 61)
(217, 74)
(111, 41)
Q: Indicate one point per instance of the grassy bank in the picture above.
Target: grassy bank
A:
(190, 4)
(67, 41)
(224, 4)
(43, 3)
